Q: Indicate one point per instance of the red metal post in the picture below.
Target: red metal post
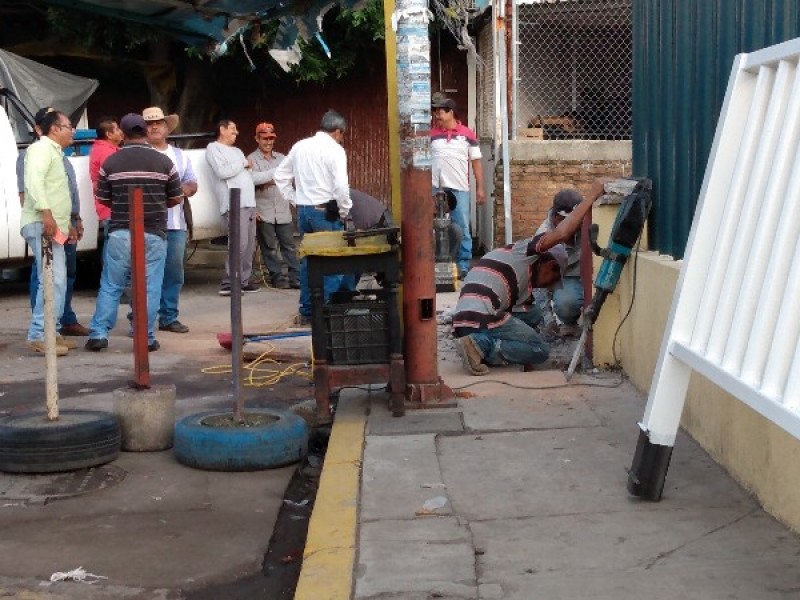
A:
(586, 276)
(141, 361)
(423, 384)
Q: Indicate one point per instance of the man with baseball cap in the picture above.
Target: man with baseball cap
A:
(274, 229)
(454, 152)
(567, 301)
(136, 165)
(495, 317)
(179, 220)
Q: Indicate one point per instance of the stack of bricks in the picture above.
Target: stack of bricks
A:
(533, 185)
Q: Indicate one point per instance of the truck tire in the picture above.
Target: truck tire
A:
(79, 439)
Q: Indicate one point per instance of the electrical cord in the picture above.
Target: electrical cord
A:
(617, 362)
(541, 387)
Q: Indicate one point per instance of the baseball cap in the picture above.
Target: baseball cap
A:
(439, 100)
(266, 129)
(133, 125)
(565, 201)
(40, 114)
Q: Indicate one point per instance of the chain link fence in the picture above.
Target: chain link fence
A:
(573, 69)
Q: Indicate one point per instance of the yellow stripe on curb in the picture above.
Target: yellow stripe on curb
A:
(330, 552)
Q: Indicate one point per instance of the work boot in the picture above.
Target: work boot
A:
(470, 356)
(68, 344)
(280, 284)
(76, 329)
(174, 327)
(96, 344)
(39, 347)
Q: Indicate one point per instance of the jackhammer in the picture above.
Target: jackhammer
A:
(627, 228)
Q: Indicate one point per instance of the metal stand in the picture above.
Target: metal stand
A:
(329, 376)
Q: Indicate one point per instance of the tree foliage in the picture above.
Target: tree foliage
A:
(354, 37)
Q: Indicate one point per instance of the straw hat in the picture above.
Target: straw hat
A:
(154, 113)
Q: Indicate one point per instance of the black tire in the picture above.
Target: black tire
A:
(280, 442)
(79, 439)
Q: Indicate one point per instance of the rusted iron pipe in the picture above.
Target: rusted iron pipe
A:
(141, 359)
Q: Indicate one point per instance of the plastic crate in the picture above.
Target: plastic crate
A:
(357, 332)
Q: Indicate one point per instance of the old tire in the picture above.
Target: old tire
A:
(281, 441)
(79, 439)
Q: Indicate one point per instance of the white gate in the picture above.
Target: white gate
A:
(734, 318)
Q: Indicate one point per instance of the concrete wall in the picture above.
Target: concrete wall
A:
(757, 453)
(760, 455)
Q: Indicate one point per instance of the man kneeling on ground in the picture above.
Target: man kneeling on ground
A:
(495, 315)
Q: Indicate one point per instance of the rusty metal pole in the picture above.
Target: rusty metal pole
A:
(235, 275)
(586, 276)
(424, 386)
(141, 359)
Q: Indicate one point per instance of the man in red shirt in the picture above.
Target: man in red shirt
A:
(109, 139)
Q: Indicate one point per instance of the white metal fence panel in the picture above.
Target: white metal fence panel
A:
(735, 318)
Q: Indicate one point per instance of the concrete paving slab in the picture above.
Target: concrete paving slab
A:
(520, 409)
(556, 472)
(431, 555)
(623, 541)
(400, 474)
(381, 422)
(699, 582)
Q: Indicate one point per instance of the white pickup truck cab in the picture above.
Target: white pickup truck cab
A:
(13, 250)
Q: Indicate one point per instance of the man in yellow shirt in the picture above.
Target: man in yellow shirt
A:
(46, 212)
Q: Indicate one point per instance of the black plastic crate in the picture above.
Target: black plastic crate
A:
(357, 332)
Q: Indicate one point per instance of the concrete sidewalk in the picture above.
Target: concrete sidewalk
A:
(532, 487)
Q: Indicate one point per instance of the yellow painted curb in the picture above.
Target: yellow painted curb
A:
(330, 553)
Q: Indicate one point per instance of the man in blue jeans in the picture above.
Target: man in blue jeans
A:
(46, 212)
(318, 168)
(136, 165)
(159, 126)
(454, 153)
(495, 317)
(568, 300)
(69, 320)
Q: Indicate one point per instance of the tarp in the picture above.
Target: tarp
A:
(37, 86)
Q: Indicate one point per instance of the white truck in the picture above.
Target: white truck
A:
(13, 250)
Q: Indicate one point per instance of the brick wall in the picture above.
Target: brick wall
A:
(537, 175)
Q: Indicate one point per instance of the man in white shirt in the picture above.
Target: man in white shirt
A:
(321, 192)
(159, 126)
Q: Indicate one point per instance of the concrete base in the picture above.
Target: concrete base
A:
(146, 417)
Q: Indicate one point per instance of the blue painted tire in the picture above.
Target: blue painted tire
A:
(277, 443)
